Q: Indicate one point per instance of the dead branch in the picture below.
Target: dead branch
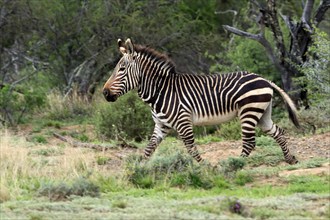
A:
(73, 143)
(321, 10)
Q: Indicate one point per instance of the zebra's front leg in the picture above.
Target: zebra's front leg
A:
(185, 132)
(160, 132)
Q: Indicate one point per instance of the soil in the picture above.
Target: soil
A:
(316, 146)
(305, 148)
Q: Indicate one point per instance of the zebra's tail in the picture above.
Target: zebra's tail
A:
(289, 103)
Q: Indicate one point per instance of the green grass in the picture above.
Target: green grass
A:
(171, 185)
(174, 203)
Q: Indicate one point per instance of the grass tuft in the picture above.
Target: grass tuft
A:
(62, 191)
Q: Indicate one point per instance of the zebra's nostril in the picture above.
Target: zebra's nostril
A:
(106, 92)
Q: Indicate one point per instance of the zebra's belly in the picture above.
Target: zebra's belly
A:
(213, 119)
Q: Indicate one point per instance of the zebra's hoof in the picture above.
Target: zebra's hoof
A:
(292, 161)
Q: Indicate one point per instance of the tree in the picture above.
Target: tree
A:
(286, 58)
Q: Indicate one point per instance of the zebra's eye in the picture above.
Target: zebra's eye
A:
(121, 68)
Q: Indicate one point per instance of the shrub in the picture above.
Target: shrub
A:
(17, 102)
(62, 191)
(101, 160)
(232, 165)
(221, 183)
(171, 167)
(242, 178)
(127, 118)
(71, 106)
(315, 118)
(230, 130)
(39, 139)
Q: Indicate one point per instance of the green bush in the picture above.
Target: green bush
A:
(101, 160)
(62, 191)
(242, 178)
(39, 139)
(232, 165)
(127, 118)
(230, 130)
(16, 102)
(171, 167)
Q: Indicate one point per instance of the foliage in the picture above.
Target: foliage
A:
(316, 118)
(267, 153)
(173, 168)
(62, 191)
(184, 191)
(76, 41)
(101, 160)
(316, 68)
(17, 101)
(230, 166)
(127, 118)
(39, 139)
(243, 55)
(230, 130)
(242, 178)
(71, 107)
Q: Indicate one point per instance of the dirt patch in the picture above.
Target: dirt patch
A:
(214, 152)
(303, 147)
(323, 170)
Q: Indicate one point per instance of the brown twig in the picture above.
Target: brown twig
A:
(73, 143)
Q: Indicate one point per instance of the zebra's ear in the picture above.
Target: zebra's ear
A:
(121, 46)
(129, 46)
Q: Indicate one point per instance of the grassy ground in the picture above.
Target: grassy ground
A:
(44, 178)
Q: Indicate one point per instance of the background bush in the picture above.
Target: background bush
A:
(127, 118)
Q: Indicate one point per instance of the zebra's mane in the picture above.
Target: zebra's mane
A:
(156, 56)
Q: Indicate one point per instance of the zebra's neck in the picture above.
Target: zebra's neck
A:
(156, 72)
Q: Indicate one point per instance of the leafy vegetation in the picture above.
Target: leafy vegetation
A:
(171, 181)
(128, 118)
(55, 57)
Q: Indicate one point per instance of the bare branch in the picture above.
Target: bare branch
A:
(21, 79)
(308, 8)
(73, 143)
(276, 29)
(306, 16)
(320, 12)
(225, 12)
(257, 37)
(242, 33)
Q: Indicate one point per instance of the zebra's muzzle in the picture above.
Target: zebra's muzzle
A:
(108, 96)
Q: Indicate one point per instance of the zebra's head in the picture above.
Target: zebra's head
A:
(124, 77)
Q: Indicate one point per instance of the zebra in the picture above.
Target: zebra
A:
(178, 101)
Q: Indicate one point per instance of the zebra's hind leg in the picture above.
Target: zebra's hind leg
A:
(279, 136)
(266, 124)
(248, 138)
(160, 132)
(249, 116)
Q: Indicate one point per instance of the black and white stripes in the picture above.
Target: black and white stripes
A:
(179, 101)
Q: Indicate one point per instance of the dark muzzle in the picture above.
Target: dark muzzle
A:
(108, 96)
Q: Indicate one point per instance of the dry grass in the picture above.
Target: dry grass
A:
(23, 167)
(61, 107)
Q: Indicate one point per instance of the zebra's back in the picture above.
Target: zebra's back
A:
(213, 99)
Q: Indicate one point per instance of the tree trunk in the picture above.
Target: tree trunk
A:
(287, 60)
